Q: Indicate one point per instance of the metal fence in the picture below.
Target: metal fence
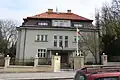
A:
(2, 61)
(30, 62)
(23, 62)
(44, 61)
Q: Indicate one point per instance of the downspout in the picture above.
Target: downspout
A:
(18, 44)
(24, 46)
(19, 38)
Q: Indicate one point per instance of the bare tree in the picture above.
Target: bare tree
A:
(108, 22)
(110, 18)
(88, 44)
(9, 34)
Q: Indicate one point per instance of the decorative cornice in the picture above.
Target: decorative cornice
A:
(32, 27)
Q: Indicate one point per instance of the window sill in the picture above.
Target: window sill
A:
(74, 42)
(60, 47)
(40, 41)
(65, 47)
(41, 57)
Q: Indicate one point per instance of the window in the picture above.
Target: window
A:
(42, 23)
(46, 37)
(75, 40)
(55, 41)
(42, 53)
(77, 25)
(60, 37)
(79, 76)
(62, 23)
(38, 37)
(66, 37)
(66, 41)
(41, 37)
(55, 37)
(61, 41)
(108, 78)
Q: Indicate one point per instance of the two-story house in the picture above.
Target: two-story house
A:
(48, 33)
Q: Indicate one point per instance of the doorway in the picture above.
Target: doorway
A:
(64, 60)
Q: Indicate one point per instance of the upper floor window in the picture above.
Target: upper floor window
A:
(62, 23)
(55, 41)
(66, 41)
(61, 41)
(42, 23)
(75, 40)
(77, 25)
(38, 37)
(41, 38)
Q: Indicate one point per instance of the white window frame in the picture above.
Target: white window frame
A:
(41, 54)
(42, 23)
(39, 37)
(67, 41)
(78, 25)
(61, 40)
(62, 23)
(55, 40)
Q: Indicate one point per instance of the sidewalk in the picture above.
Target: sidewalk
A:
(42, 75)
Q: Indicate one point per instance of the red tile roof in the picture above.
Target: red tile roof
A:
(59, 15)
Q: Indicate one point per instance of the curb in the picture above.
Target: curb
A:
(46, 79)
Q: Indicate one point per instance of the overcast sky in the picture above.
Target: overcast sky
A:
(19, 9)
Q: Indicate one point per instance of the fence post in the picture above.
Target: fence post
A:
(7, 61)
(36, 61)
(78, 62)
(104, 59)
(56, 62)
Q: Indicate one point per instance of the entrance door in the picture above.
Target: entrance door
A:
(64, 60)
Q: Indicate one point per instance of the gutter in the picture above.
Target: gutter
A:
(58, 28)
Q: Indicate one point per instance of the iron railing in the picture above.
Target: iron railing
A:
(2, 61)
(25, 62)
(44, 61)
(30, 62)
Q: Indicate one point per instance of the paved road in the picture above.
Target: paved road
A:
(44, 75)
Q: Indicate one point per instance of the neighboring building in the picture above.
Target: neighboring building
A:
(51, 32)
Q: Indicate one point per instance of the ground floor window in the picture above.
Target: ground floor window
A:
(42, 53)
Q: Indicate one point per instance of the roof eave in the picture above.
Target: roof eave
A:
(60, 19)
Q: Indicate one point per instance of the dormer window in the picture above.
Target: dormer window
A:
(78, 25)
(61, 23)
(42, 23)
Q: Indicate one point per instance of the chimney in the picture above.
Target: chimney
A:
(68, 11)
(50, 10)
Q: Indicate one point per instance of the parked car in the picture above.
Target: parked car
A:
(98, 73)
